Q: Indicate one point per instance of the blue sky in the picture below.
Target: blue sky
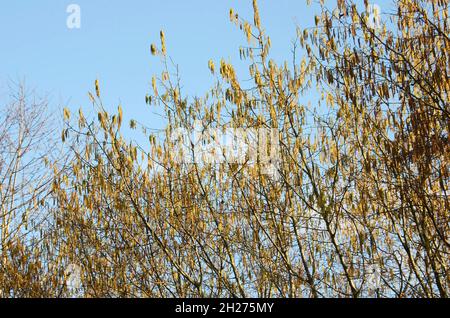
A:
(113, 45)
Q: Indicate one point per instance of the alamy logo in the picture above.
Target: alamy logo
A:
(72, 276)
(373, 279)
(373, 16)
(230, 145)
(74, 19)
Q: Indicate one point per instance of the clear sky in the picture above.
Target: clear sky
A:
(113, 45)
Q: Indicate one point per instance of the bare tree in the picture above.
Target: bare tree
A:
(28, 149)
